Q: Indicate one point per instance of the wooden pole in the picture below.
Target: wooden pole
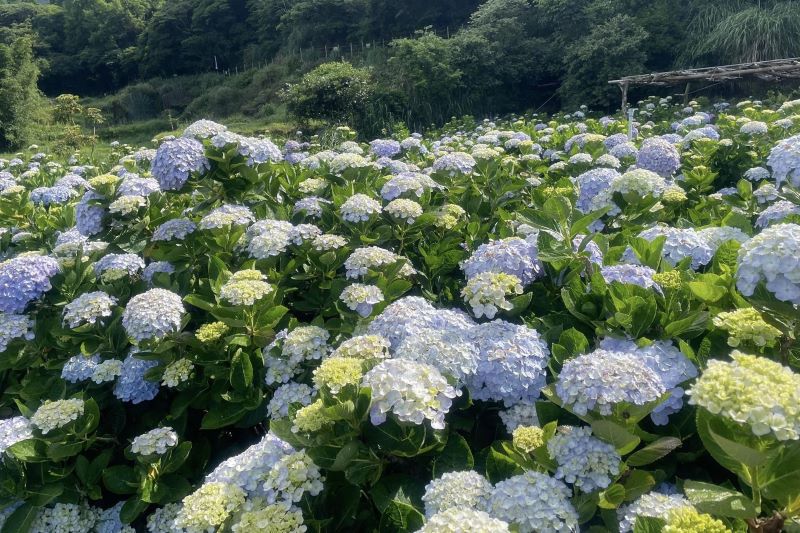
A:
(686, 94)
(624, 88)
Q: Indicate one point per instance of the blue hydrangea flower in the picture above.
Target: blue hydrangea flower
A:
(680, 244)
(633, 274)
(590, 184)
(249, 469)
(174, 229)
(89, 217)
(785, 161)
(79, 368)
(153, 315)
(512, 363)
(133, 185)
(534, 502)
(384, 147)
(454, 163)
(13, 430)
(514, 256)
(52, 195)
(130, 264)
(176, 160)
(157, 267)
(583, 460)
(24, 279)
(659, 156)
(14, 327)
(131, 386)
(776, 212)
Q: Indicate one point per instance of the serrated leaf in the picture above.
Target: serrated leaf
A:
(653, 451)
(719, 501)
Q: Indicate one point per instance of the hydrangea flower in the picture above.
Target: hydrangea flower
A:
(680, 243)
(13, 326)
(513, 256)
(310, 205)
(407, 182)
(52, 195)
(363, 259)
(176, 160)
(153, 315)
(404, 209)
(107, 370)
(583, 460)
(736, 390)
(23, 279)
(534, 502)
(12, 431)
(203, 129)
(275, 518)
(177, 372)
(227, 215)
(757, 174)
(342, 162)
(512, 363)
(467, 489)
(291, 477)
(131, 386)
(776, 212)
(784, 159)
(211, 332)
(207, 508)
(641, 276)
(716, 236)
(634, 185)
(133, 185)
(174, 229)
(88, 308)
(116, 266)
(527, 438)
(361, 298)
(450, 352)
(248, 470)
(64, 517)
(365, 347)
(156, 267)
(384, 147)
(412, 391)
(463, 520)
(327, 242)
(652, 505)
(520, 414)
(311, 418)
(688, 520)
(109, 521)
(659, 156)
(286, 395)
(600, 380)
(335, 373)
(305, 343)
(79, 368)
(454, 163)
(486, 293)
(127, 205)
(268, 238)
(590, 184)
(256, 151)
(359, 208)
(245, 288)
(407, 316)
(57, 414)
(772, 256)
(155, 442)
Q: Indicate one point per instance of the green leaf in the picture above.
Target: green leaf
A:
(223, 414)
(623, 440)
(707, 292)
(744, 454)
(29, 450)
(176, 457)
(455, 456)
(719, 501)
(647, 524)
(196, 301)
(21, 519)
(780, 477)
(705, 422)
(612, 497)
(241, 371)
(654, 451)
(499, 466)
(131, 509)
(638, 482)
(59, 452)
(121, 479)
(45, 494)
(400, 517)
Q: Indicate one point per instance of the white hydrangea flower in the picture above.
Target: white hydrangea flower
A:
(403, 209)
(328, 242)
(127, 205)
(412, 391)
(463, 520)
(652, 504)
(364, 347)
(64, 518)
(305, 343)
(177, 372)
(534, 502)
(583, 460)
(161, 520)
(486, 293)
(292, 477)
(153, 315)
(467, 489)
(56, 414)
(245, 288)
(359, 208)
(772, 256)
(13, 430)
(207, 508)
(361, 298)
(107, 370)
(361, 260)
(155, 442)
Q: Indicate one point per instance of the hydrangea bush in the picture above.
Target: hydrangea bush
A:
(537, 324)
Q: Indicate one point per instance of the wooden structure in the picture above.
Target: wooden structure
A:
(774, 70)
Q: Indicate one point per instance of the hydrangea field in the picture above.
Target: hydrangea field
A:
(539, 324)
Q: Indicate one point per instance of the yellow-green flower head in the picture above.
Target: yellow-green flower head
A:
(668, 280)
(364, 347)
(551, 191)
(310, 418)
(747, 325)
(338, 372)
(689, 520)
(674, 195)
(245, 288)
(211, 332)
(104, 184)
(528, 438)
(207, 508)
(751, 390)
(275, 518)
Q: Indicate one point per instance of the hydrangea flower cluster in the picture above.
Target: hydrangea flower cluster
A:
(747, 325)
(362, 260)
(641, 276)
(335, 373)
(463, 520)
(652, 505)
(776, 212)
(64, 517)
(514, 256)
(454, 163)
(13, 430)
(177, 372)
(248, 470)
(131, 386)
(359, 208)
(404, 209)
(153, 315)
(412, 391)
(527, 438)
(365, 347)
(245, 288)
(176, 160)
(14, 327)
(175, 229)
(659, 156)
(583, 460)
(680, 243)
(754, 391)
(57, 414)
(79, 368)
(486, 293)
(772, 256)
(207, 508)
(287, 395)
(227, 215)
(407, 182)
(716, 236)
(600, 380)
(784, 159)
(116, 266)
(23, 279)
(361, 298)
(155, 442)
(465, 489)
(590, 184)
(534, 502)
(291, 477)
(107, 370)
(275, 518)
(88, 308)
(449, 351)
(689, 520)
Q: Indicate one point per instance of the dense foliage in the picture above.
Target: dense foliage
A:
(535, 325)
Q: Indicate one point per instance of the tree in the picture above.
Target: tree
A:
(335, 92)
(20, 100)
